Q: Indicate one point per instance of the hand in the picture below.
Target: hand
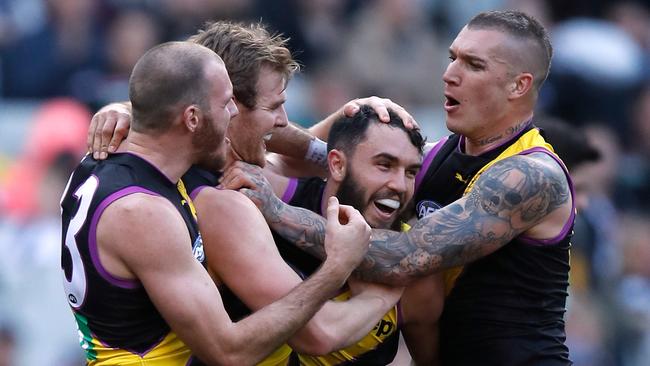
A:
(391, 294)
(251, 182)
(108, 128)
(347, 235)
(381, 105)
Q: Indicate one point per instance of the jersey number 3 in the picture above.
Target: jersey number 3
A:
(75, 282)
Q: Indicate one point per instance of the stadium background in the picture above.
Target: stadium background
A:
(62, 59)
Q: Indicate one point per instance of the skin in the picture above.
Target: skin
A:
(200, 319)
(388, 170)
(524, 194)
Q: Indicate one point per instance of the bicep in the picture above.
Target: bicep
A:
(163, 262)
(240, 248)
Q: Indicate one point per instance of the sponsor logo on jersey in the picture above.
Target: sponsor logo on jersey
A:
(425, 208)
(197, 249)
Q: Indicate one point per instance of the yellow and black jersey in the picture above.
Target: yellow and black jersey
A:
(380, 345)
(118, 324)
(506, 308)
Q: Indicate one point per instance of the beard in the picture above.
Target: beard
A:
(209, 146)
(353, 194)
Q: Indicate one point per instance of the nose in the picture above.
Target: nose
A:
(451, 75)
(282, 120)
(398, 182)
(232, 108)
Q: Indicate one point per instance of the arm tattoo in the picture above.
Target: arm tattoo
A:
(510, 197)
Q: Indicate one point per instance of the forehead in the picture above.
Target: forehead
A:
(382, 139)
(217, 75)
(479, 42)
(271, 85)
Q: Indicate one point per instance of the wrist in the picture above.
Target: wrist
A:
(317, 152)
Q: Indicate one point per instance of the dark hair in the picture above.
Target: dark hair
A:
(245, 49)
(166, 76)
(569, 142)
(524, 27)
(347, 132)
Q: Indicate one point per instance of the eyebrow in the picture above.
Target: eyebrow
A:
(393, 159)
(468, 57)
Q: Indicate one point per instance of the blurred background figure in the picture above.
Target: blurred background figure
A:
(62, 59)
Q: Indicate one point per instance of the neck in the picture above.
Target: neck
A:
(156, 150)
(479, 145)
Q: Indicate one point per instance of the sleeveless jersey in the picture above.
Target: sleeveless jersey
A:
(506, 308)
(380, 345)
(195, 180)
(118, 324)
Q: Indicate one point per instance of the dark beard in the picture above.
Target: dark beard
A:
(352, 194)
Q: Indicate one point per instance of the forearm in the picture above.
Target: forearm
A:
(290, 141)
(339, 324)
(266, 329)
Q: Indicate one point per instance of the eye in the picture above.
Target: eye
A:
(383, 166)
(411, 173)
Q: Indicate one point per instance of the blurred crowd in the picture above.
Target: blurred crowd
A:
(60, 60)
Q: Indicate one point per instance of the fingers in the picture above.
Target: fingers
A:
(381, 106)
(90, 138)
(95, 133)
(121, 131)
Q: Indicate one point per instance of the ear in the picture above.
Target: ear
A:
(336, 161)
(192, 116)
(521, 85)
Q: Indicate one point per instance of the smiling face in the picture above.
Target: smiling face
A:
(249, 131)
(379, 177)
(478, 82)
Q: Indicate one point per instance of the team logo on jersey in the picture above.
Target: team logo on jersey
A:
(197, 249)
(425, 208)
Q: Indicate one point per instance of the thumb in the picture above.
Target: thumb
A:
(333, 210)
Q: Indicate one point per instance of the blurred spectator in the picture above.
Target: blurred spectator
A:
(633, 191)
(391, 51)
(633, 295)
(43, 64)
(60, 126)
(7, 345)
(129, 35)
(596, 69)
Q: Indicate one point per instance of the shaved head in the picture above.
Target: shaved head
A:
(530, 48)
(166, 79)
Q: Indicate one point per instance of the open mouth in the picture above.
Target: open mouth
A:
(387, 206)
(267, 137)
(451, 102)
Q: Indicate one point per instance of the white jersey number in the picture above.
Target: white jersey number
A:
(75, 288)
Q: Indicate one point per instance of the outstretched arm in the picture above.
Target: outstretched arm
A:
(509, 198)
(240, 242)
(200, 319)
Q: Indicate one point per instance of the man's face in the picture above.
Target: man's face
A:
(477, 81)
(210, 141)
(249, 132)
(380, 176)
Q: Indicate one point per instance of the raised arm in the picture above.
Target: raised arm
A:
(163, 262)
(241, 252)
(515, 195)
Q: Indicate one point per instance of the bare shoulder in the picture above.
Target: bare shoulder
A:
(148, 220)
(224, 201)
(524, 187)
